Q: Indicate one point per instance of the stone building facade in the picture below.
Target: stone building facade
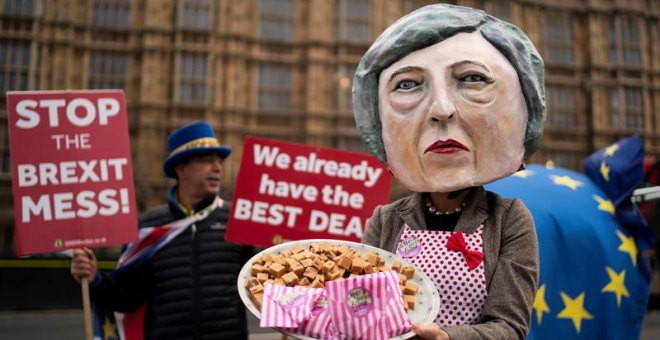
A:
(282, 69)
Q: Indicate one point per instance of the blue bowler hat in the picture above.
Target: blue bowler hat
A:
(192, 140)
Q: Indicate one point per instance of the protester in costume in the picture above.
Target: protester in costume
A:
(450, 98)
(182, 268)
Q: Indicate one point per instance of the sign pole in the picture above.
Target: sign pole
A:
(87, 309)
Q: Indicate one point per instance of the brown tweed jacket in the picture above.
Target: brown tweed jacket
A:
(511, 257)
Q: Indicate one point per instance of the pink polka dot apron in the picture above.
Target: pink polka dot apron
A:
(446, 258)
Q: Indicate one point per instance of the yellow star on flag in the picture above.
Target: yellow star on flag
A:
(574, 310)
(616, 285)
(605, 205)
(605, 171)
(628, 246)
(109, 329)
(540, 305)
(610, 150)
(566, 181)
(523, 173)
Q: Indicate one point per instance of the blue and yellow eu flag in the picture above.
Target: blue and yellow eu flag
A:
(592, 284)
(618, 170)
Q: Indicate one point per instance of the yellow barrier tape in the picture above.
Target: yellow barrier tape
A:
(45, 263)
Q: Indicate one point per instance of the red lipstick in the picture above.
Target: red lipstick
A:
(446, 146)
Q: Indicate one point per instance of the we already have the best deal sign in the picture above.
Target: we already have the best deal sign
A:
(288, 191)
(71, 170)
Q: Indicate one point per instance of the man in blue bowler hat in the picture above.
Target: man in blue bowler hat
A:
(179, 280)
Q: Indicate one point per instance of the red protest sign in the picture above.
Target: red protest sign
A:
(288, 191)
(72, 175)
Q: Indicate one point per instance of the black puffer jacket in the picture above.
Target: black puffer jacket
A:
(190, 284)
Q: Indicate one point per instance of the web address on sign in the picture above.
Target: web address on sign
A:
(84, 242)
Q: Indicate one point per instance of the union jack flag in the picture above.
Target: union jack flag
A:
(110, 325)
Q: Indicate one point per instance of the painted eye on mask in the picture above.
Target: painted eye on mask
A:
(476, 78)
(406, 85)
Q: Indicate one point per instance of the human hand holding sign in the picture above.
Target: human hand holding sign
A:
(84, 264)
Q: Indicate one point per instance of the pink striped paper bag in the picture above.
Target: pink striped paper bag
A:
(318, 326)
(287, 307)
(396, 313)
(367, 306)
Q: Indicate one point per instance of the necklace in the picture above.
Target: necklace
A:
(434, 211)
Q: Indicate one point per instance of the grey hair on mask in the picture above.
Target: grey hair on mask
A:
(428, 26)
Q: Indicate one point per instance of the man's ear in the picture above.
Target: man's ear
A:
(179, 169)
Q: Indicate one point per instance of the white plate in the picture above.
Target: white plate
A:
(427, 300)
